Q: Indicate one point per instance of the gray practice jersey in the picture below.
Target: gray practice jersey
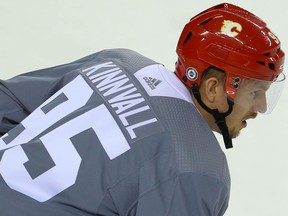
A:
(113, 133)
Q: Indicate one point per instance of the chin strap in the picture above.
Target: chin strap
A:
(218, 116)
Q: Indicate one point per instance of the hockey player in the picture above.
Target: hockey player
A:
(116, 133)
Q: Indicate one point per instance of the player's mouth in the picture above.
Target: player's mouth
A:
(244, 122)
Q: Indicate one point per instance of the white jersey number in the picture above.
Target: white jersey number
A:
(57, 142)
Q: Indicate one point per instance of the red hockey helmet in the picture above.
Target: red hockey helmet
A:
(232, 39)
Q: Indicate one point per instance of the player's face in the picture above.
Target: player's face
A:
(250, 99)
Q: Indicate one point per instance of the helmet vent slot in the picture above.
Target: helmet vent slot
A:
(189, 35)
(271, 66)
(205, 22)
(262, 63)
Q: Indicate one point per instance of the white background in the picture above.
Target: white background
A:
(35, 34)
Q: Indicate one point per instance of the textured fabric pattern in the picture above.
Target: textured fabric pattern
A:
(195, 145)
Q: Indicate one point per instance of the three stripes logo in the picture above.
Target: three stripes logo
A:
(152, 82)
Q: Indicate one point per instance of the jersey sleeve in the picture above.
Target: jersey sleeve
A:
(186, 195)
(11, 112)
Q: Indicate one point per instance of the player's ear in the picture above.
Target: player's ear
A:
(211, 88)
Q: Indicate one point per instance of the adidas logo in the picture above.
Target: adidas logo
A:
(152, 82)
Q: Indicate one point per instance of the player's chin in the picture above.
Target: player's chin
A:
(234, 133)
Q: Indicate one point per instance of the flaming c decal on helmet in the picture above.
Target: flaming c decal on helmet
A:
(231, 28)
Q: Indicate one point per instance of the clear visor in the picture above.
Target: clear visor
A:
(259, 96)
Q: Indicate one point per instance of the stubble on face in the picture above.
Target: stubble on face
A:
(237, 121)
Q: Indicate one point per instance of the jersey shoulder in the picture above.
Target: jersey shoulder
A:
(129, 60)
